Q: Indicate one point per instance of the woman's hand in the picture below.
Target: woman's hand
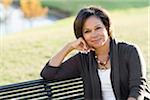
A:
(80, 45)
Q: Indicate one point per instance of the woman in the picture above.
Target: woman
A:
(110, 70)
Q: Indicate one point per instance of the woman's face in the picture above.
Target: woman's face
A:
(94, 32)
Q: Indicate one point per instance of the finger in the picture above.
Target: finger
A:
(84, 52)
(84, 44)
(80, 46)
(92, 49)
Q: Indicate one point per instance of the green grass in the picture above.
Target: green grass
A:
(73, 6)
(24, 54)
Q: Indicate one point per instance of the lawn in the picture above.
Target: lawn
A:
(23, 55)
(73, 6)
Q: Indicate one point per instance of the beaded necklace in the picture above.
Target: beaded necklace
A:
(103, 64)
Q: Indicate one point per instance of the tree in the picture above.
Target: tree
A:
(33, 8)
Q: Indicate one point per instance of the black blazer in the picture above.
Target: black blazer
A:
(127, 72)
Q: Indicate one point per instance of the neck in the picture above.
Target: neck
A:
(104, 50)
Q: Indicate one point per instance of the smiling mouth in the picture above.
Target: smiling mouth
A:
(96, 40)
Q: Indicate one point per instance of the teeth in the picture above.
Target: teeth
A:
(96, 40)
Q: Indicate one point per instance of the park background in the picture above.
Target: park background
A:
(23, 54)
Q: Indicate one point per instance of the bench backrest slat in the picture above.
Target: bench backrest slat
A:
(27, 90)
(42, 90)
(21, 85)
(35, 97)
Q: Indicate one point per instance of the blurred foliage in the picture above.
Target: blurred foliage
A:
(6, 3)
(33, 8)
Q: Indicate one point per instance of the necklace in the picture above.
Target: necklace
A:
(103, 64)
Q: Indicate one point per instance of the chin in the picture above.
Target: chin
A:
(98, 45)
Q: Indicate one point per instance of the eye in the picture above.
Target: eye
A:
(97, 28)
(87, 31)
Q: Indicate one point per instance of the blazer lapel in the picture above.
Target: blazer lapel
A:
(115, 80)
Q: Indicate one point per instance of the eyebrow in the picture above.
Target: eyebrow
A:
(94, 26)
(98, 25)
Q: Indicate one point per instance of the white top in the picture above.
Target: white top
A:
(106, 85)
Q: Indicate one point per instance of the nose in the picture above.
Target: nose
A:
(94, 34)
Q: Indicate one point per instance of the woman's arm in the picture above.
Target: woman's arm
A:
(78, 44)
(68, 69)
(59, 57)
(57, 69)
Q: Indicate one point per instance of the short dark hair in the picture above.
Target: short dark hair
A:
(86, 13)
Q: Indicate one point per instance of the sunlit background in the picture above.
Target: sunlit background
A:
(31, 31)
(19, 15)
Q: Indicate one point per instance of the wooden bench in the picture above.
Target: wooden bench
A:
(70, 89)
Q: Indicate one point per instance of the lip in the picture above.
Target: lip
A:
(95, 40)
